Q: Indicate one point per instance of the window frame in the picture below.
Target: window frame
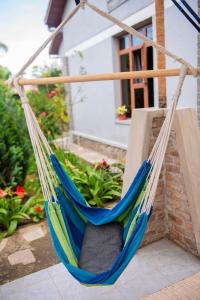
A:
(130, 51)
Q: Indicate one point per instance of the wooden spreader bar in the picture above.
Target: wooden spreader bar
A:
(103, 77)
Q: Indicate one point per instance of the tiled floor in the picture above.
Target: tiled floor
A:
(186, 289)
(154, 267)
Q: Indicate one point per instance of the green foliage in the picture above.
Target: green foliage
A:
(14, 141)
(51, 112)
(49, 104)
(96, 183)
(32, 182)
(46, 71)
(11, 213)
(4, 73)
(34, 207)
(15, 210)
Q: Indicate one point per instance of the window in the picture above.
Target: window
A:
(134, 55)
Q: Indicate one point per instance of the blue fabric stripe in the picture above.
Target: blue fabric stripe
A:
(120, 264)
(75, 223)
(70, 210)
(99, 216)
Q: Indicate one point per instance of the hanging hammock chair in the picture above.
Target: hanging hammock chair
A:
(96, 244)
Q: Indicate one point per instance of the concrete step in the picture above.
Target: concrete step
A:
(88, 155)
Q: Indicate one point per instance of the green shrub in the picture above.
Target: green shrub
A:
(14, 142)
(32, 182)
(48, 103)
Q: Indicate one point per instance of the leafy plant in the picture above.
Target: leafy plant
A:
(96, 183)
(32, 182)
(49, 104)
(121, 110)
(34, 207)
(14, 142)
(12, 212)
(14, 209)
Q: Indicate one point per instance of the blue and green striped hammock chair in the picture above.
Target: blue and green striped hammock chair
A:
(69, 216)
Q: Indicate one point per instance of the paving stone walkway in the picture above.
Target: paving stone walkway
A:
(28, 250)
(88, 155)
(154, 267)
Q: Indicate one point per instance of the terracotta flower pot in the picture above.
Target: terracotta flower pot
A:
(122, 117)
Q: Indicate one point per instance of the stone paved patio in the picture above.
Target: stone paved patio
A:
(154, 267)
(88, 155)
(28, 250)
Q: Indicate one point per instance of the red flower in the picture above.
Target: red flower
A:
(50, 95)
(2, 193)
(20, 191)
(104, 163)
(56, 91)
(38, 209)
(44, 114)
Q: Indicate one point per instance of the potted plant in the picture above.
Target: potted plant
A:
(121, 112)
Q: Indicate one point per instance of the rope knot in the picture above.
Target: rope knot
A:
(20, 90)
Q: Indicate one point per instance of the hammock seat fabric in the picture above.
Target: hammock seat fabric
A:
(68, 218)
(101, 247)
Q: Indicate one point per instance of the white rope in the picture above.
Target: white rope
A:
(46, 175)
(160, 154)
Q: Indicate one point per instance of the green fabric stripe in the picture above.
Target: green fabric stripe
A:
(61, 232)
(132, 226)
(127, 218)
(124, 216)
(62, 223)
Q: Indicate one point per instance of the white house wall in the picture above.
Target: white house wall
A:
(181, 38)
(87, 23)
(95, 116)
